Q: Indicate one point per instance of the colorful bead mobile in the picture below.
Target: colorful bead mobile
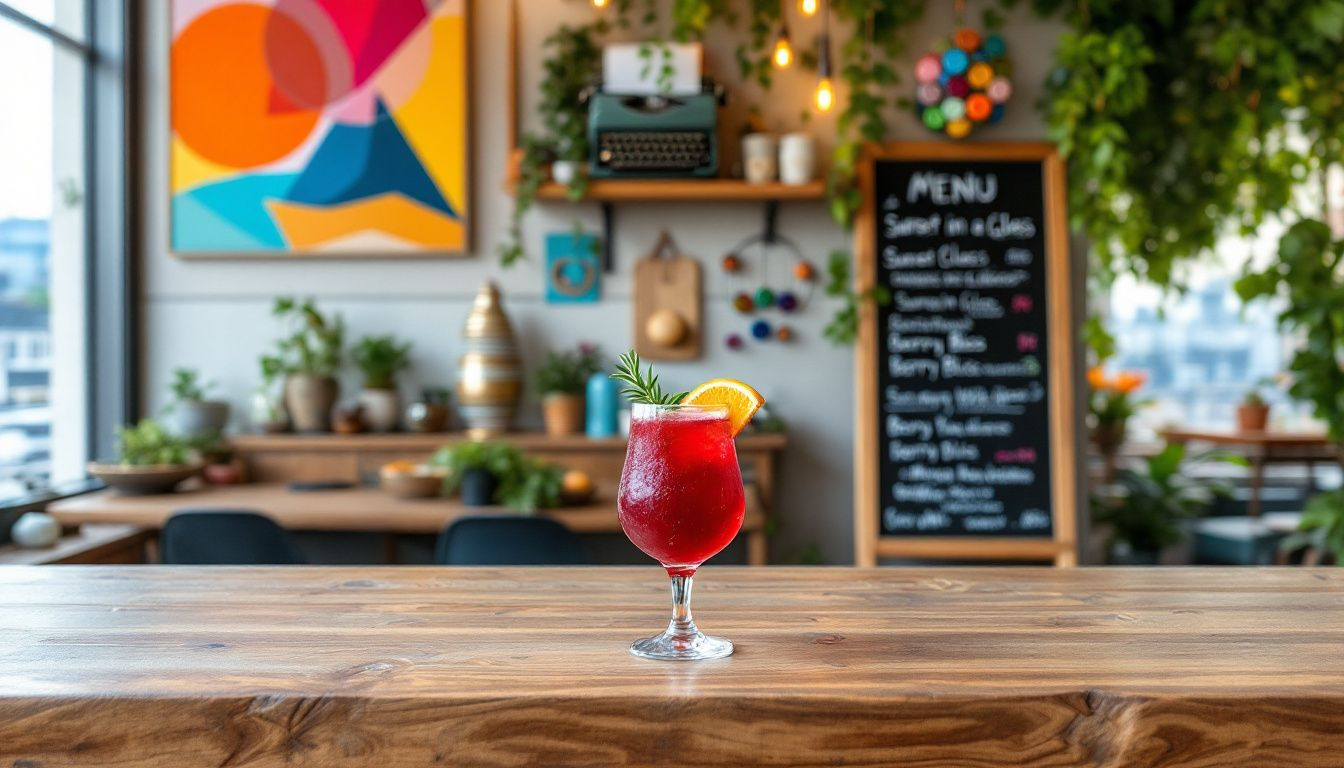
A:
(962, 83)
(766, 295)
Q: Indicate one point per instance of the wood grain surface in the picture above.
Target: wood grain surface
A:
(125, 666)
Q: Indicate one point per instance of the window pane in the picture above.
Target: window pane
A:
(43, 388)
(65, 16)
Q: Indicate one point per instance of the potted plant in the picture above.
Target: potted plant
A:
(1253, 412)
(1321, 530)
(150, 459)
(497, 473)
(1145, 507)
(1111, 403)
(380, 359)
(195, 415)
(310, 357)
(561, 382)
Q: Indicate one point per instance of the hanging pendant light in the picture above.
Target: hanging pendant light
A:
(808, 7)
(825, 95)
(600, 4)
(783, 53)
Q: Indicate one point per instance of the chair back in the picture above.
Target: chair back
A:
(226, 537)
(512, 540)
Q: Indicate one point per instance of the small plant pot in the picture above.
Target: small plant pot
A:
(309, 400)
(566, 171)
(382, 409)
(1252, 417)
(478, 487)
(427, 417)
(198, 418)
(562, 413)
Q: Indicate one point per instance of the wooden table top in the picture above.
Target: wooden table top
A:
(158, 666)
(351, 509)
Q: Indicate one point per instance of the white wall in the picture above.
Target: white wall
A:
(215, 314)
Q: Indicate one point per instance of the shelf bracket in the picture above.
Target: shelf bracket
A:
(608, 229)
(771, 221)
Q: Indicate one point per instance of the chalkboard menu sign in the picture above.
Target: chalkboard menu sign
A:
(965, 405)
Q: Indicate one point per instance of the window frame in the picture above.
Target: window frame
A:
(111, 270)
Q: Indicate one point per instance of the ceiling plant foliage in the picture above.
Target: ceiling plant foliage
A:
(1175, 118)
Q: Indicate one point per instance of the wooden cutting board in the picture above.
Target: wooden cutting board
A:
(667, 280)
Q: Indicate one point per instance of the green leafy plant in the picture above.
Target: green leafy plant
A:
(572, 63)
(844, 325)
(149, 443)
(567, 372)
(642, 386)
(524, 483)
(1152, 501)
(315, 342)
(187, 386)
(1321, 527)
(380, 359)
(1174, 117)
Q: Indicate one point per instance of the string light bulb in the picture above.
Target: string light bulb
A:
(783, 55)
(808, 7)
(600, 4)
(825, 95)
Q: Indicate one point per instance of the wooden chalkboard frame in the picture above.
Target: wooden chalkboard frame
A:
(1061, 547)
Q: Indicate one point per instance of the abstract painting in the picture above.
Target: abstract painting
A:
(319, 127)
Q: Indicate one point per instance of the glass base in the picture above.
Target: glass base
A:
(693, 646)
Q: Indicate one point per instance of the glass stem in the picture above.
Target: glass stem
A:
(682, 624)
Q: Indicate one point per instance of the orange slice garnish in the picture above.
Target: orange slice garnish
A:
(739, 398)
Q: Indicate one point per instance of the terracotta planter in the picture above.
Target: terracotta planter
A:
(1252, 417)
(382, 409)
(309, 400)
(563, 414)
(1108, 438)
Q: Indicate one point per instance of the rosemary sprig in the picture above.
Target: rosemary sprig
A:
(642, 386)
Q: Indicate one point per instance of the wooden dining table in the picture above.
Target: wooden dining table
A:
(115, 666)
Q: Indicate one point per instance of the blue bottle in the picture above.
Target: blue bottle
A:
(604, 400)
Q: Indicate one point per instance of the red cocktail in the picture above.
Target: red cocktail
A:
(681, 502)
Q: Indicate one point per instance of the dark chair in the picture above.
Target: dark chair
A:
(508, 541)
(226, 537)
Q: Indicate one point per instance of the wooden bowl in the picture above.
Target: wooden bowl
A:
(144, 479)
(418, 483)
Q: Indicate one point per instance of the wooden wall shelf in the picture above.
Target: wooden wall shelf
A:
(608, 192)
(686, 190)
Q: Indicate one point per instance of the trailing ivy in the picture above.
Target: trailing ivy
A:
(1173, 117)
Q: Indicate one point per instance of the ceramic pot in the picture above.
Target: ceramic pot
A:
(309, 400)
(603, 401)
(199, 418)
(427, 417)
(478, 487)
(760, 158)
(489, 373)
(562, 413)
(35, 529)
(797, 158)
(1252, 417)
(382, 409)
(565, 171)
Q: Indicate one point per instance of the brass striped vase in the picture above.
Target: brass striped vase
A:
(489, 373)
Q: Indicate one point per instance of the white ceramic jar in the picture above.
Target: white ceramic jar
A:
(797, 158)
(759, 158)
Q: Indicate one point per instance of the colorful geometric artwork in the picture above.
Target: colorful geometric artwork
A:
(319, 127)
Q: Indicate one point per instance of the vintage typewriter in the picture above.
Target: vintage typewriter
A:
(653, 136)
